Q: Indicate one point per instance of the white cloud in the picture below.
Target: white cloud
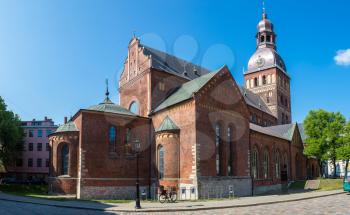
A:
(343, 57)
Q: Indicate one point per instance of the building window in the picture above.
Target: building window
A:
(40, 133)
(256, 82)
(64, 159)
(266, 164)
(39, 147)
(268, 38)
(217, 149)
(48, 132)
(230, 144)
(31, 133)
(47, 147)
(254, 118)
(134, 107)
(277, 165)
(264, 80)
(30, 146)
(262, 39)
(30, 162)
(255, 163)
(38, 162)
(283, 121)
(128, 135)
(112, 137)
(19, 162)
(161, 162)
(47, 161)
(161, 86)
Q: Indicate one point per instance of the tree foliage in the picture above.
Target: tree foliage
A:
(343, 152)
(324, 134)
(11, 133)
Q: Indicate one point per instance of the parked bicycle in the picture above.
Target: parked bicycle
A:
(167, 196)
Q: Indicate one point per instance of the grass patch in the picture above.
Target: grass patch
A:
(331, 184)
(297, 185)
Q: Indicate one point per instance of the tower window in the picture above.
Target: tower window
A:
(134, 107)
(262, 39)
(264, 80)
(64, 159)
(256, 82)
(268, 38)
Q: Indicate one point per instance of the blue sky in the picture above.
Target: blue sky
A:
(55, 55)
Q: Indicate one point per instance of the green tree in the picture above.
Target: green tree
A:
(343, 152)
(11, 133)
(323, 135)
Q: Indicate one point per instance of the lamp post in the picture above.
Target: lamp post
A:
(137, 146)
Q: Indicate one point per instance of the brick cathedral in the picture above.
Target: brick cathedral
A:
(198, 130)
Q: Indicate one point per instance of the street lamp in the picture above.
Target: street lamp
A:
(137, 146)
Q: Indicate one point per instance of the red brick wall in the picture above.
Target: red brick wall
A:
(220, 101)
(100, 163)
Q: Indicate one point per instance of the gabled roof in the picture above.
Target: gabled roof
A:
(286, 130)
(186, 91)
(266, 130)
(254, 100)
(302, 131)
(172, 64)
(69, 126)
(167, 125)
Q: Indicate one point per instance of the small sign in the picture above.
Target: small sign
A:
(312, 184)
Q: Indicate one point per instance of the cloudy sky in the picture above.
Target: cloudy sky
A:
(55, 55)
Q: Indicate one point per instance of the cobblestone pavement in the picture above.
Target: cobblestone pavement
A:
(337, 204)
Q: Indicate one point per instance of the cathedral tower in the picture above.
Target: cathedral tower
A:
(267, 74)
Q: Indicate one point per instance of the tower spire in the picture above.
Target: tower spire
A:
(264, 15)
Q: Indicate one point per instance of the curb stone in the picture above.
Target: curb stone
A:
(54, 204)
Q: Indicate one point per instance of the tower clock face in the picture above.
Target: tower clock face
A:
(260, 62)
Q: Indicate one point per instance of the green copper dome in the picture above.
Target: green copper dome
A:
(69, 126)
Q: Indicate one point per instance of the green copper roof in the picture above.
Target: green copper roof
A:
(186, 91)
(167, 125)
(108, 106)
(69, 126)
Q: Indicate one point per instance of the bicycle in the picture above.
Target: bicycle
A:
(170, 196)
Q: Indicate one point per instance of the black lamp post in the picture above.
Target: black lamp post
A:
(137, 147)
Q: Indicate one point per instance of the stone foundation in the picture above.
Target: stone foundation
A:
(111, 192)
(224, 187)
(268, 189)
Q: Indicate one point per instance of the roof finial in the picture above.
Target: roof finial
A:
(133, 34)
(107, 92)
(264, 10)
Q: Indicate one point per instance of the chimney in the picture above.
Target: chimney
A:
(65, 120)
(45, 118)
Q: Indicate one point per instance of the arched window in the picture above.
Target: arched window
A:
(134, 107)
(264, 80)
(230, 156)
(128, 135)
(161, 162)
(266, 164)
(277, 165)
(217, 148)
(255, 163)
(256, 82)
(112, 137)
(262, 39)
(64, 159)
